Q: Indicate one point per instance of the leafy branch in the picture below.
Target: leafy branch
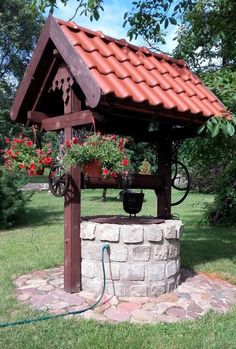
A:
(217, 125)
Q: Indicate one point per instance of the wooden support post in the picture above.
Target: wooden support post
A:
(164, 172)
(72, 242)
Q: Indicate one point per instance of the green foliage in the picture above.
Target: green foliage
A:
(12, 200)
(223, 209)
(216, 125)
(207, 36)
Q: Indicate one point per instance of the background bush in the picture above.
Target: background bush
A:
(12, 200)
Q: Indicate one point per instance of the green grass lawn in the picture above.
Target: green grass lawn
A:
(37, 243)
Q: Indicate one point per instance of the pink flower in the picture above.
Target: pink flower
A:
(21, 166)
(105, 171)
(7, 140)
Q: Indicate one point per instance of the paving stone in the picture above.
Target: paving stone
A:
(58, 305)
(117, 315)
(128, 306)
(194, 308)
(167, 297)
(142, 315)
(176, 312)
(91, 315)
(194, 297)
(46, 288)
(168, 319)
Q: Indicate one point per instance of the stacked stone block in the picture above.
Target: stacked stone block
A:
(144, 259)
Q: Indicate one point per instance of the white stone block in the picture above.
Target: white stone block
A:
(156, 289)
(161, 252)
(138, 291)
(132, 234)
(171, 268)
(156, 271)
(119, 253)
(170, 232)
(153, 232)
(174, 249)
(87, 269)
(112, 271)
(141, 253)
(135, 272)
(87, 231)
(108, 232)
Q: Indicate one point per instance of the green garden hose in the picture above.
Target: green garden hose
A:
(53, 316)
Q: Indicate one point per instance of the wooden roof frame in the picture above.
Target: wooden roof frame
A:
(51, 31)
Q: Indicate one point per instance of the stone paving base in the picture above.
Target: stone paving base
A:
(194, 297)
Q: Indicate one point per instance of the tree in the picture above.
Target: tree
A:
(147, 18)
(207, 35)
(20, 25)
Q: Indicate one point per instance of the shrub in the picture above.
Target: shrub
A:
(223, 209)
(12, 200)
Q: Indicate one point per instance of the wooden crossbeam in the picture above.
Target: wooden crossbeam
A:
(55, 123)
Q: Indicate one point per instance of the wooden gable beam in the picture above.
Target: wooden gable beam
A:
(78, 68)
(30, 71)
(52, 33)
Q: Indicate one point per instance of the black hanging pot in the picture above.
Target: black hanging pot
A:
(132, 202)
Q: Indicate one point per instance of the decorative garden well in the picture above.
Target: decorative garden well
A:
(130, 91)
(144, 257)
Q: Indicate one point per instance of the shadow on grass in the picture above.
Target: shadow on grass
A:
(203, 245)
(39, 217)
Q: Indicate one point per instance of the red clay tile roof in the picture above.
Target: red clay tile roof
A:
(135, 73)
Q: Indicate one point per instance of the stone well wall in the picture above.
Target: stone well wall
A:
(144, 258)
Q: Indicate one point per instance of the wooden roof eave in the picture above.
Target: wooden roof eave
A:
(78, 68)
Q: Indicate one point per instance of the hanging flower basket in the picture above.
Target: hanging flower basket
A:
(22, 154)
(92, 169)
(97, 154)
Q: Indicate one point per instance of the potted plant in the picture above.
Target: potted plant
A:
(22, 154)
(105, 153)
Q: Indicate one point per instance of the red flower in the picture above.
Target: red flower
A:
(68, 144)
(105, 171)
(21, 166)
(125, 162)
(47, 160)
(32, 166)
(7, 140)
(29, 143)
(113, 174)
(120, 143)
(75, 140)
